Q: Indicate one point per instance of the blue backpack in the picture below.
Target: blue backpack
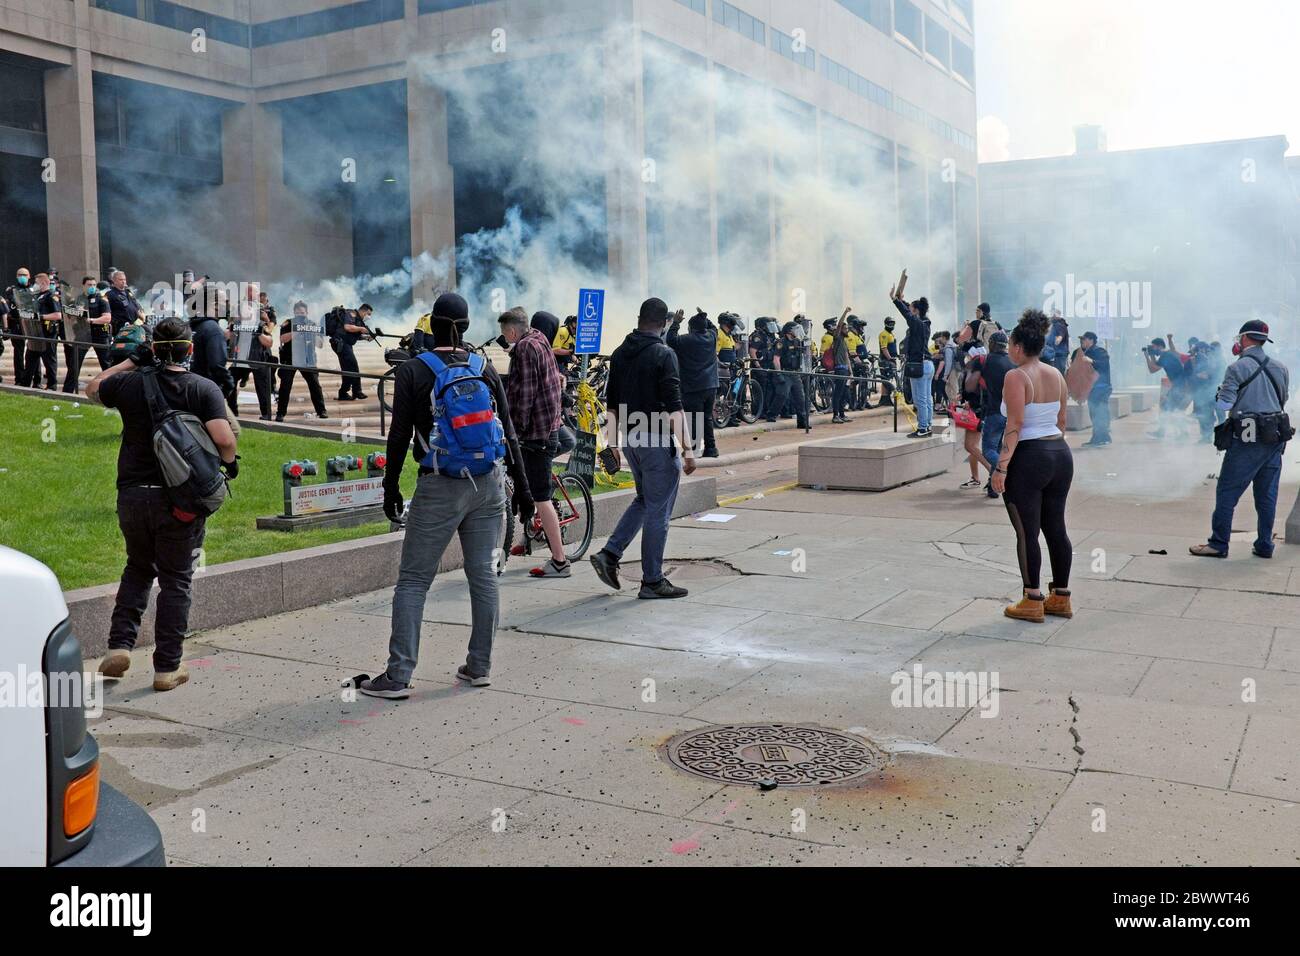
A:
(467, 438)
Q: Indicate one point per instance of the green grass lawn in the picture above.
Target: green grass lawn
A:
(58, 499)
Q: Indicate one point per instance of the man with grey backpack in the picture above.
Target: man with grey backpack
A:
(177, 451)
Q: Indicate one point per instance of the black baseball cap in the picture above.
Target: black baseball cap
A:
(1256, 330)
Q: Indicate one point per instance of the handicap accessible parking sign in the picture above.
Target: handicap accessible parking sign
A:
(591, 314)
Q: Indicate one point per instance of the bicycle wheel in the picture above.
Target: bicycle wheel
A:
(722, 410)
(750, 402)
(821, 393)
(573, 505)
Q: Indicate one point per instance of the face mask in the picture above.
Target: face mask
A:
(22, 280)
(91, 290)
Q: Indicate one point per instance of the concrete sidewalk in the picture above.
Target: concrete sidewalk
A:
(1155, 727)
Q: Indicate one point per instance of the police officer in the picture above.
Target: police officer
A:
(312, 379)
(48, 306)
(789, 351)
(1254, 394)
(19, 299)
(121, 301)
(857, 342)
(888, 350)
(351, 331)
(99, 315)
(565, 342)
(762, 349)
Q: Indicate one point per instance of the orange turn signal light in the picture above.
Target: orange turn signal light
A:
(80, 802)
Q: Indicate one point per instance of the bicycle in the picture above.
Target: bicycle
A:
(741, 397)
(572, 501)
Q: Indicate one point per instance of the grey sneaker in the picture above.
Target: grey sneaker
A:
(463, 673)
(552, 570)
(385, 687)
(663, 590)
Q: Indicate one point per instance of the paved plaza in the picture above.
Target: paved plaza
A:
(1157, 726)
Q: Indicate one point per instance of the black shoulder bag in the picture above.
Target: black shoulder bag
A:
(1271, 428)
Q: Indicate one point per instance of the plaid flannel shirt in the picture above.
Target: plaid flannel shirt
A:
(534, 387)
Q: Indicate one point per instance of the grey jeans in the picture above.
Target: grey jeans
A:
(442, 507)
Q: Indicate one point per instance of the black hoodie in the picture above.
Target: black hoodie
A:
(697, 355)
(210, 354)
(644, 379)
(547, 324)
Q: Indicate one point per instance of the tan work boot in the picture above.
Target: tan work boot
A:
(115, 663)
(171, 680)
(1029, 609)
(1058, 602)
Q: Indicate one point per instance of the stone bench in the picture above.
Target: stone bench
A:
(1121, 406)
(1077, 418)
(874, 462)
(1142, 399)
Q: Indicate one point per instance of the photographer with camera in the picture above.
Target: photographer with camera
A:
(1162, 358)
(161, 542)
(1254, 393)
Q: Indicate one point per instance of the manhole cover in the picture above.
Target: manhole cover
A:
(792, 755)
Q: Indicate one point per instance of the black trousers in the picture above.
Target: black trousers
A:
(697, 404)
(348, 363)
(263, 381)
(1038, 483)
(157, 546)
(286, 389)
(20, 351)
(47, 360)
(788, 388)
(73, 356)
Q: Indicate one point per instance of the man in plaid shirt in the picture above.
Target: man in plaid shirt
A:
(533, 391)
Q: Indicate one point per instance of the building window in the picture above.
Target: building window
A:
(336, 19)
(174, 16)
(696, 5)
(785, 45)
(857, 84)
(733, 18)
(963, 12)
(963, 61)
(441, 6)
(875, 12)
(936, 43)
(907, 24)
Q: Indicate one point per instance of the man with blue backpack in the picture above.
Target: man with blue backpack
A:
(453, 404)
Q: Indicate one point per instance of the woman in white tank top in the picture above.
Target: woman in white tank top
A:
(1035, 469)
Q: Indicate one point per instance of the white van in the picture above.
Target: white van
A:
(54, 811)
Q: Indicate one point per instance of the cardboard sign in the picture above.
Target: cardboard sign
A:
(582, 460)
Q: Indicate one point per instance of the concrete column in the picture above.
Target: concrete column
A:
(624, 152)
(433, 197)
(71, 189)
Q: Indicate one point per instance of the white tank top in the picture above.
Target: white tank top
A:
(1040, 417)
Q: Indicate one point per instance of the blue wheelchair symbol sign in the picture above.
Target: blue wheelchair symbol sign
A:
(591, 315)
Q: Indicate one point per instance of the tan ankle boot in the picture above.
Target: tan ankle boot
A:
(115, 663)
(1058, 603)
(1029, 609)
(171, 680)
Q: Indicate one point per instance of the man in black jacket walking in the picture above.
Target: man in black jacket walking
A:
(644, 400)
(210, 358)
(697, 359)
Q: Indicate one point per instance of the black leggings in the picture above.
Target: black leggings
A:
(1038, 482)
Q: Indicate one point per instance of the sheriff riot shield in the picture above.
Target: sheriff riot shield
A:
(76, 327)
(308, 335)
(246, 327)
(32, 326)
